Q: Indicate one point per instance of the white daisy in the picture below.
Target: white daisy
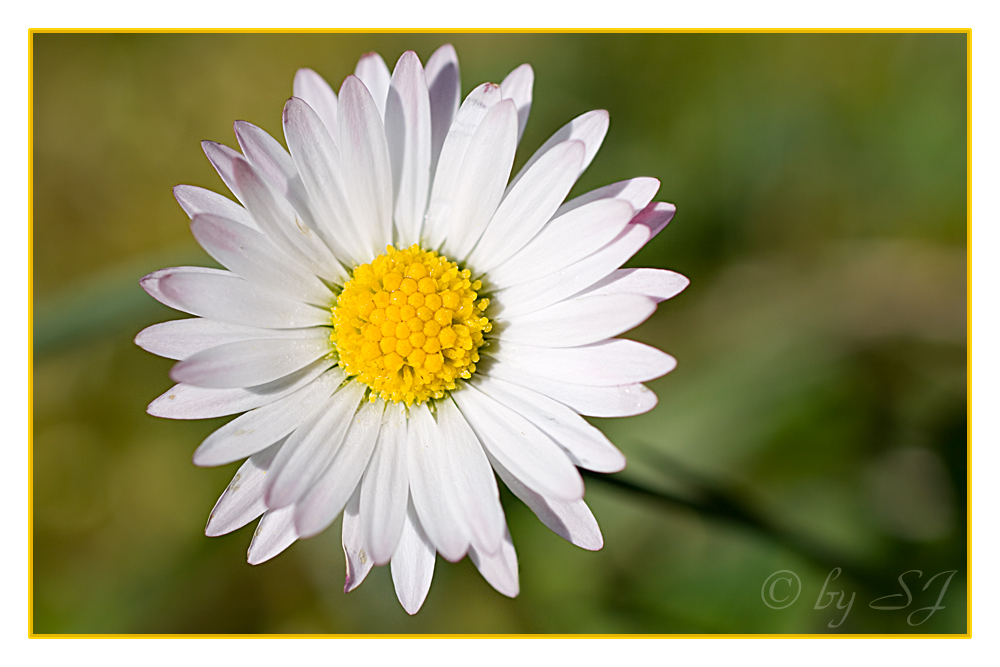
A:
(398, 322)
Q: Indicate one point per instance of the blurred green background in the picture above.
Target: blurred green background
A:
(820, 182)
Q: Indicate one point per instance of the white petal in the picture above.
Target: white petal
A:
(617, 401)
(223, 158)
(250, 255)
(510, 438)
(655, 217)
(311, 448)
(179, 339)
(408, 134)
(195, 200)
(151, 282)
(243, 499)
(274, 534)
(225, 297)
(472, 483)
(331, 491)
(517, 87)
(184, 401)
(259, 428)
(534, 295)
(358, 562)
(537, 294)
(430, 479)
(317, 93)
(318, 161)
(571, 520)
(481, 178)
(638, 192)
(589, 128)
(587, 447)
(273, 163)
(658, 284)
(265, 153)
(284, 225)
(564, 240)
(365, 160)
(529, 205)
(456, 143)
(499, 569)
(579, 321)
(385, 488)
(374, 74)
(609, 362)
(445, 92)
(412, 564)
(248, 363)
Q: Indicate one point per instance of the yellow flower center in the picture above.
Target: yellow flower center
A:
(408, 325)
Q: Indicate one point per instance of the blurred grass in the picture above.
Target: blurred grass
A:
(820, 186)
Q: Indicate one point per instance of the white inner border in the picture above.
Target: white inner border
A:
(515, 14)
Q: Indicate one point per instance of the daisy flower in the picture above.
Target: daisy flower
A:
(399, 320)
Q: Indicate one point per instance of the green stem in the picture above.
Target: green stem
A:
(716, 503)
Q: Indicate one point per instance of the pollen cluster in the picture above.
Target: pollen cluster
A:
(409, 325)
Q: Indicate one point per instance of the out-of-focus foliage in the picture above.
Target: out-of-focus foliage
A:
(820, 182)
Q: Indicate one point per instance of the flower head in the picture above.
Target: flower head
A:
(400, 320)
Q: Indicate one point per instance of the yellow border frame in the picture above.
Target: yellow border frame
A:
(968, 316)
